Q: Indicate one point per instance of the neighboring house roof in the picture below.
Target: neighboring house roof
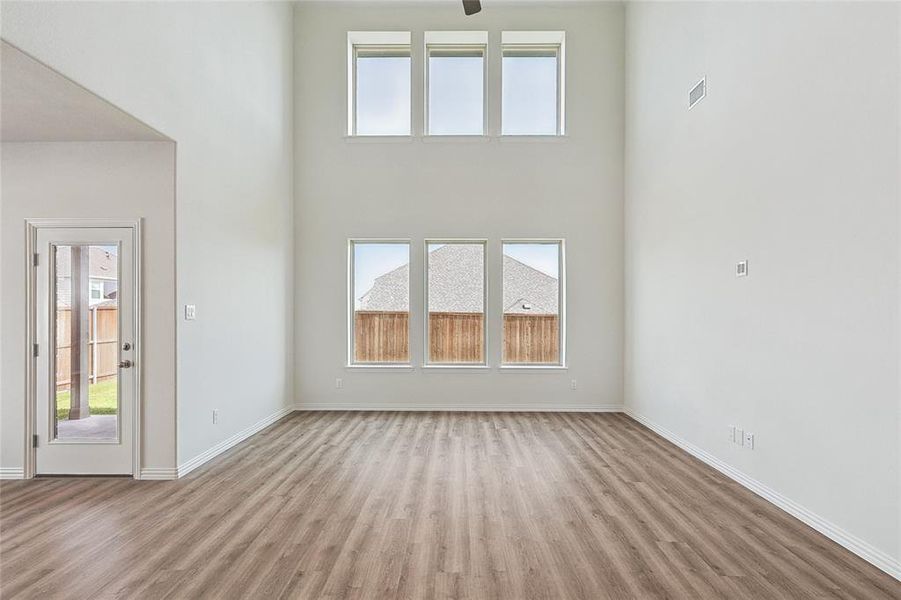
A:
(389, 292)
(456, 285)
(103, 266)
(528, 291)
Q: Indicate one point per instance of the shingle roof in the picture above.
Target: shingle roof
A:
(528, 290)
(456, 285)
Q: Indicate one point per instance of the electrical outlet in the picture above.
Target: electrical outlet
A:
(732, 433)
(741, 268)
(215, 416)
(190, 312)
(572, 384)
(749, 440)
(739, 435)
(339, 384)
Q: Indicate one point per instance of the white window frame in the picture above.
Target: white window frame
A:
(539, 40)
(389, 41)
(96, 286)
(561, 304)
(351, 362)
(426, 363)
(456, 40)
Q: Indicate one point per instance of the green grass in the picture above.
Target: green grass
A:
(101, 400)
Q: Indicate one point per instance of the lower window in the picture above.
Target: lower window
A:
(455, 291)
(533, 330)
(380, 284)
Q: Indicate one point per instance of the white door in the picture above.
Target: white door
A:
(85, 333)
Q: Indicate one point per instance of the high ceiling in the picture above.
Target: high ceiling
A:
(37, 104)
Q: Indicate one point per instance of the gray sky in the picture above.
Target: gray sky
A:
(456, 95)
(374, 260)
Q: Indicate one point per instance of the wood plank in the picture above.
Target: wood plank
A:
(424, 505)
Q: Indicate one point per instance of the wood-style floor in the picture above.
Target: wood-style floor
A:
(424, 505)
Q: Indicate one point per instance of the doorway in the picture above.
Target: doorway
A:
(85, 346)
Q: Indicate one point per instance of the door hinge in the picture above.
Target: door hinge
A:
(34, 350)
(35, 259)
(34, 441)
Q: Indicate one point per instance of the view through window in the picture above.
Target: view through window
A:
(455, 296)
(380, 278)
(382, 90)
(456, 90)
(456, 301)
(532, 303)
(530, 96)
(86, 344)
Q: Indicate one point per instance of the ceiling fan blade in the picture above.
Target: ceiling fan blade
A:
(471, 7)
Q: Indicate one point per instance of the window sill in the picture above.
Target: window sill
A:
(374, 367)
(456, 139)
(457, 368)
(378, 139)
(530, 139)
(532, 368)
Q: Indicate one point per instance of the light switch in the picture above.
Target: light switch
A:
(190, 312)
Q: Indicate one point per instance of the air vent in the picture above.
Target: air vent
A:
(697, 93)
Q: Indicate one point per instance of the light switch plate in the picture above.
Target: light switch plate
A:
(190, 312)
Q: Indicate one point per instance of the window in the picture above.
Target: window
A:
(379, 70)
(455, 80)
(455, 293)
(532, 83)
(96, 290)
(379, 280)
(533, 303)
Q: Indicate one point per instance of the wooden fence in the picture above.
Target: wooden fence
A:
(381, 336)
(455, 337)
(531, 339)
(103, 345)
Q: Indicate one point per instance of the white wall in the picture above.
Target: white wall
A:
(91, 180)
(792, 162)
(217, 78)
(569, 187)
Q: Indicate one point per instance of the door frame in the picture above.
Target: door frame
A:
(31, 231)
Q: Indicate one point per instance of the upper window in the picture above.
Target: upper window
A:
(455, 290)
(455, 80)
(379, 70)
(532, 83)
(380, 302)
(533, 301)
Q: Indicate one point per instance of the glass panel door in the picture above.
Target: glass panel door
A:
(85, 323)
(85, 331)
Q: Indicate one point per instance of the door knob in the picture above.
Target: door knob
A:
(125, 364)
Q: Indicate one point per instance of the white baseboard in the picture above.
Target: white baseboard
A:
(200, 459)
(157, 473)
(12, 473)
(872, 555)
(455, 407)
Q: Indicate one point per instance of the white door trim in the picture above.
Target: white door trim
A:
(31, 230)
